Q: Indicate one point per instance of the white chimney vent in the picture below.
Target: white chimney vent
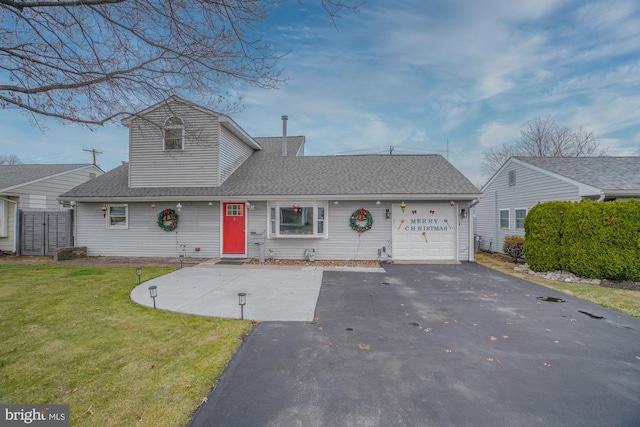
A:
(284, 135)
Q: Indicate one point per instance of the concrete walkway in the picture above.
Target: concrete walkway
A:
(210, 289)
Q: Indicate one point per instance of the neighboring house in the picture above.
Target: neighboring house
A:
(236, 195)
(35, 188)
(523, 182)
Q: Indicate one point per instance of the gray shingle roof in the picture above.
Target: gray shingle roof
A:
(16, 175)
(606, 173)
(268, 173)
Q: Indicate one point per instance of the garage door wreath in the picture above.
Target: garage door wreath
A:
(357, 217)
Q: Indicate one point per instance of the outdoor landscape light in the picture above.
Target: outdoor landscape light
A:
(181, 258)
(242, 300)
(139, 273)
(153, 293)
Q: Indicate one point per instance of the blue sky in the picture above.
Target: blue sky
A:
(416, 75)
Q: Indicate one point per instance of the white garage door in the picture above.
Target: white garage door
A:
(425, 231)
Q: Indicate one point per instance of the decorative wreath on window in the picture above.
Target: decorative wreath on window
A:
(168, 219)
(358, 217)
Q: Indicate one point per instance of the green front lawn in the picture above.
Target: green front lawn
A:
(71, 335)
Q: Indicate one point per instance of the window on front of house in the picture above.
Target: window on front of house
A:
(520, 215)
(304, 220)
(117, 216)
(174, 133)
(504, 218)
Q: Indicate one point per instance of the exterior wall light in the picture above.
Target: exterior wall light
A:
(403, 206)
(463, 213)
(387, 213)
(153, 293)
(153, 205)
(104, 210)
(242, 300)
(179, 207)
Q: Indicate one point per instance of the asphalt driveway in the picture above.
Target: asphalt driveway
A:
(435, 345)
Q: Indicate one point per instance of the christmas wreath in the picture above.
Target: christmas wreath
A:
(168, 219)
(358, 217)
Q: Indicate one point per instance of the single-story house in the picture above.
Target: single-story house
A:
(35, 189)
(198, 185)
(523, 182)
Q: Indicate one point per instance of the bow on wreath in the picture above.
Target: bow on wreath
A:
(358, 217)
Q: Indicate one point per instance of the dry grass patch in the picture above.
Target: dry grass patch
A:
(622, 300)
(72, 335)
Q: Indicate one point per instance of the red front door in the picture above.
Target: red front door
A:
(233, 229)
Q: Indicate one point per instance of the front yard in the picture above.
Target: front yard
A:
(622, 300)
(71, 335)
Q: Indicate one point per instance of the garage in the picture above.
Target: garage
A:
(424, 231)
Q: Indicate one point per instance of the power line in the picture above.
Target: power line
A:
(95, 154)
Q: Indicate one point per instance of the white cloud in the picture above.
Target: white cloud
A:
(496, 134)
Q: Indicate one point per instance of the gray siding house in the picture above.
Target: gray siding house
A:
(230, 191)
(523, 182)
(35, 188)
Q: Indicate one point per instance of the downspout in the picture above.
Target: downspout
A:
(601, 198)
(472, 230)
(15, 224)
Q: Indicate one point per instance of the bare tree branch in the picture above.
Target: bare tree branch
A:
(92, 61)
(543, 137)
(9, 159)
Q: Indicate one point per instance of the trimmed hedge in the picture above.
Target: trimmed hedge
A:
(591, 239)
(543, 227)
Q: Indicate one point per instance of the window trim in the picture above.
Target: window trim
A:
(108, 216)
(526, 211)
(167, 127)
(273, 212)
(508, 211)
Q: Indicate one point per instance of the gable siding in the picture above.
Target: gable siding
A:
(233, 153)
(194, 166)
(197, 228)
(531, 188)
(47, 190)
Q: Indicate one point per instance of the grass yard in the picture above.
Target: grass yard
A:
(71, 335)
(624, 301)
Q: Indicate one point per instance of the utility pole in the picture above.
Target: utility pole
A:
(95, 154)
(391, 148)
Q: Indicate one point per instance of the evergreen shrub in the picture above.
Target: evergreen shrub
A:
(543, 228)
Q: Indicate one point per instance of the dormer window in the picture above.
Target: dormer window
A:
(174, 133)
